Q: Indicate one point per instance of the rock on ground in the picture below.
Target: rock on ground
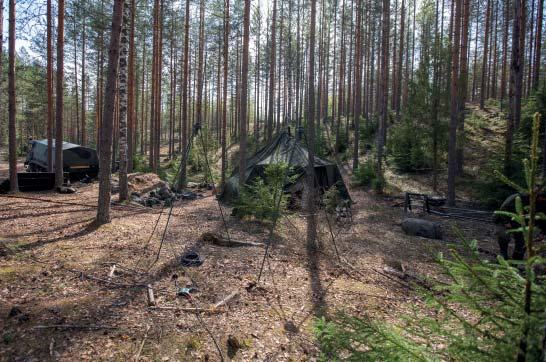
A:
(424, 228)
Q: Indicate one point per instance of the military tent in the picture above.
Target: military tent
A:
(285, 149)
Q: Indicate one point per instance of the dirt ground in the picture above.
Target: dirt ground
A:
(58, 302)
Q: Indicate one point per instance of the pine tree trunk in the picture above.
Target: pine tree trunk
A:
(516, 77)
(504, 50)
(184, 105)
(310, 201)
(107, 126)
(200, 80)
(76, 138)
(59, 174)
(483, 90)
(384, 95)
(122, 94)
(84, 83)
(530, 52)
(400, 60)
(463, 86)
(358, 83)
(12, 106)
(49, 87)
(244, 93)
(131, 88)
(272, 49)
(454, 95)
(538, 45)
(340, 95)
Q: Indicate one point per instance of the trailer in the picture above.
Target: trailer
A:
(78, 161)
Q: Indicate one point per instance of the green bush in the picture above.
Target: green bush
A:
(264, 198)
(364, 175)
(407, 149)
(368, 129)
(140, 164)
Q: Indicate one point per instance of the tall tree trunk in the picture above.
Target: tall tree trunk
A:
(59, 174)
(2, 109)
(530, 52)
(184, 105)
(310, 204)
(454, 100)
(516, 78)
(244, 93)
(84, 83)
(131, 90)
(384, 96)
(49, 87)
(107, 126)
(155, 35)
(463, 85)
(538, 45)
(200, 65)
(340, 95)
(358, 83)
(272, 48)
(504, 50)
(12, 106)
(483, 90)
(122, 94)
(400, 61)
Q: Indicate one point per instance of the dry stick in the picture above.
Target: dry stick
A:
(73, 326)
(112, 271)
(189, 309)
(226, 300)
(51, 344)
(83, 276)
(150, 294)
(137, 356)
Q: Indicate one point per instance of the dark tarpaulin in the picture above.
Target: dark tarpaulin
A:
(285, 149)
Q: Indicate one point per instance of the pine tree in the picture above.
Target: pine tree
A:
(59, 109)
(107, 125)
(123, 109)
(12, 107)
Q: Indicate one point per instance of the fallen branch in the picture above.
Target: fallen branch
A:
(83, 276)
(73, 326)
(226, 300)
(407, 277)
(189, 309)
(137, 356)
(219, 240)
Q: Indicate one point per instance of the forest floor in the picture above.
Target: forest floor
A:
(58, 301)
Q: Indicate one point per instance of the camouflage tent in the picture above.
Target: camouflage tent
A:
(285, 149)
